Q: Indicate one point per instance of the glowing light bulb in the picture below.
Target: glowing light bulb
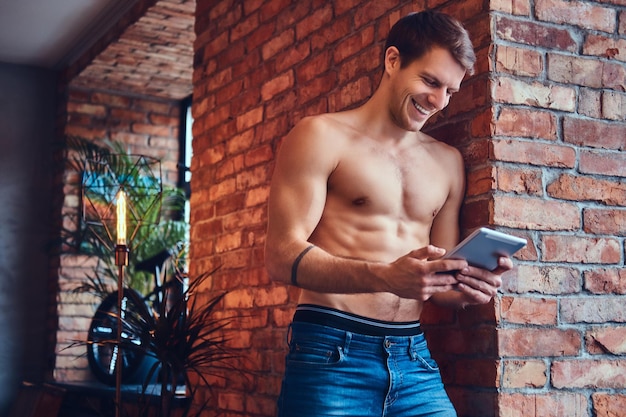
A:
(121, 218)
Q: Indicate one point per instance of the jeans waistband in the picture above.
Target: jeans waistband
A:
(326, 316)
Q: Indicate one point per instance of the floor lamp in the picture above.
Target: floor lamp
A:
(121, 192)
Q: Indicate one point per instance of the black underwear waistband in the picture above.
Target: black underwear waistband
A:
(326, 316)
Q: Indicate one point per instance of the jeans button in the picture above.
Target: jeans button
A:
(387, 344)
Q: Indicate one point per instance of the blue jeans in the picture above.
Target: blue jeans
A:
(331, 372)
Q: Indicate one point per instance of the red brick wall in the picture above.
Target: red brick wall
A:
(148, 127)
(559, 133)
(541, 126)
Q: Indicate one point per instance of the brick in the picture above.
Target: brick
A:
(592, 310)
(605, 47)
(473, 402)
(577, 249)
(543, 280)
(596, 374)
(256, 156)
(518, 61)
(604, 163)
(535, 34)
(277, 85)
(261, 36)
(535, 214)
(526, 123)
(590, 102)
(249, 119)
(317, 19)
(526, 310)
(538, 342)
(229, 204)
(606, 281)
(604, 222)
(553, 404)
(322, 84)
(477, 373)
(221, 189)
(257, 405)
(614, 76)
(331, 33)
(581, 188)
(253, 177)
(594, 133)
(271, 9)
(613, 105)
(94, 110)
(608, 405)
(515, 7)
(272, 296)
(603, 340)
(535, 94)
(283, 41)
(585, 15)
(575, 70)
(480, 181)
(349, 94)
(354, 44)
(524, 374)
(257, 196)
(228, 242)
(244, 27)
(534, 153)
(527, 181)
(353, 67)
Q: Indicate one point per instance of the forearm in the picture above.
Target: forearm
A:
(316, 270)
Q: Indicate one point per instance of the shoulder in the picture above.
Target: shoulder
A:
(444, 152)
(314, 143)
(320, 125)
(313, 133)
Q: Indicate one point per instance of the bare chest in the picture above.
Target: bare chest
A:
(410, 185)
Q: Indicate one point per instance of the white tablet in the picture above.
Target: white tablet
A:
(483, 248)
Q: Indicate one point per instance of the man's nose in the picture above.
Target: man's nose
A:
(439, 98)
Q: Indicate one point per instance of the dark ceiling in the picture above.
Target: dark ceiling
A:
(139, 47)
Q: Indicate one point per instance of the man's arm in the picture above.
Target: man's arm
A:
(297, 199)
(475, 285)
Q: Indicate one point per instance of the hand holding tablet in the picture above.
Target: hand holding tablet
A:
(483, 248)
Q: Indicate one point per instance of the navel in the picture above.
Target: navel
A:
(359, 201)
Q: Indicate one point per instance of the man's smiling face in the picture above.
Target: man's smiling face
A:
(422, 88)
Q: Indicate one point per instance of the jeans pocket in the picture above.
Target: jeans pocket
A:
(427, 362)
(310, 353)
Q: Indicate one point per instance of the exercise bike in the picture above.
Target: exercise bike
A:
(102, 347)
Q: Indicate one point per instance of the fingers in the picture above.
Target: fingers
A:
(478, 284)
(504, 264)
(427, 252)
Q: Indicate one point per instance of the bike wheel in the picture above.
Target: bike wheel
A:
(103, 349)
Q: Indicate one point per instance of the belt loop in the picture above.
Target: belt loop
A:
(412, 346)
(346, 343)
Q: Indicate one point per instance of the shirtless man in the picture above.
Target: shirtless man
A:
(362, 207)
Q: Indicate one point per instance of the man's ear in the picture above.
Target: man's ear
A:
(392, 59)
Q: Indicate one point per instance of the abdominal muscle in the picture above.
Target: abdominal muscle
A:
(379, 306)
(372, 238)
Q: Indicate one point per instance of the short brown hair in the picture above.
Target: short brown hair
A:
(417, 33)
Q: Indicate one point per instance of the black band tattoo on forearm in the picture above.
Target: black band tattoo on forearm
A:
(294, 267)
